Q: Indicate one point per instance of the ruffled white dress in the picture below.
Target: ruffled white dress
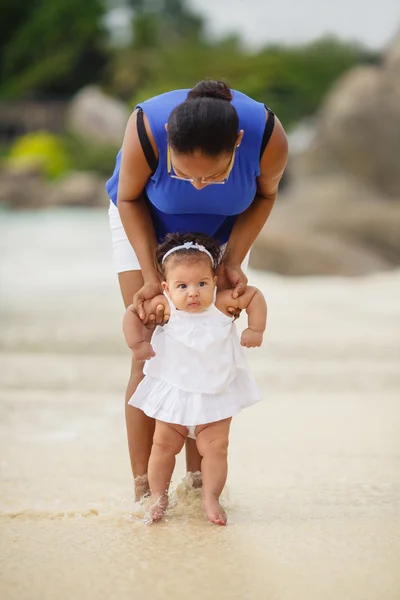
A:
(199, 374)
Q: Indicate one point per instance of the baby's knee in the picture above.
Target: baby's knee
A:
(214, 446)
(168, 444)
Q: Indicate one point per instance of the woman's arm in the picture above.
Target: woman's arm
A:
(249, 224)
(135, 216)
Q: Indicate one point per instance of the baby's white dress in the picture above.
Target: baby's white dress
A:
(199, 374)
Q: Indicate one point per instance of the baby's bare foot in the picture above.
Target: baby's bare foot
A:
(143, 351)
(156, 509)
(214, 511)
(141, 487)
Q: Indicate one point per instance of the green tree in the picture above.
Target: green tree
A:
(159, 22)
(50, 46)
(170, 50)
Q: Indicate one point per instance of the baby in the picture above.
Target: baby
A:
(197, 378)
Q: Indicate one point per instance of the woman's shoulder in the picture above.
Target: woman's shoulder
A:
(158, 108)
(242, 98)
(156, 111)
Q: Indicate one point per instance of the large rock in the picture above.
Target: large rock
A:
(97, 118)
(392, 59)
(22, 187)
(359, 127)
(341, 213)
(329, 225)
(301, 252)
(79, 189)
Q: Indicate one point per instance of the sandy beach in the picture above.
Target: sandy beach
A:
(313, 494)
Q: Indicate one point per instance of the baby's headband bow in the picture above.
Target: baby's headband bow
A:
(189, 246)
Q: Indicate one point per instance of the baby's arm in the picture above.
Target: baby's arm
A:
(255, 305)
(136, 334)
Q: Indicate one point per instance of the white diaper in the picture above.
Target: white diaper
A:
(191, 432)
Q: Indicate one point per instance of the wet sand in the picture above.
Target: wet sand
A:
(313, 493)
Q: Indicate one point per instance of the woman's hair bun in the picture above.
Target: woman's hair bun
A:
(210, 89)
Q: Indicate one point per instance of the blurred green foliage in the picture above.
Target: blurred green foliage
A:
(90, 157)
(54, 155)
(40, 150)
(171, 50)
(292, 81)
(55, 47)
(50, 47)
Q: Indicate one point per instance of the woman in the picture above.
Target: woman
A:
(206, 160)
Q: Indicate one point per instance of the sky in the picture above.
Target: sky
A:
(261, 22)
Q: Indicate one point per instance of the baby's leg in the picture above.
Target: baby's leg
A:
(212, 442)
(167, 443)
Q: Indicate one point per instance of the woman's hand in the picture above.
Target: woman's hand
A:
(231, 277)
(149, 291)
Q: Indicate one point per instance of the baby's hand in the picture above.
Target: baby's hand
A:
(156, 315)
(251, 339)
(143, 351)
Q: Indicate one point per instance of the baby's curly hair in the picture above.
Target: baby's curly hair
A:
(172, 240)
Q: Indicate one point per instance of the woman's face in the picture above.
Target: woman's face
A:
(201, 169)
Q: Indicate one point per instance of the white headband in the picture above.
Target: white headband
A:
(189, 246)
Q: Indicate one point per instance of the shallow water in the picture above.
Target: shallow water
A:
(313, 495)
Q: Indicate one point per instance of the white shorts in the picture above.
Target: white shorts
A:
(125, 258)
(124, 255)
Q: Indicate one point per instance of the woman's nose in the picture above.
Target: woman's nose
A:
(196, 183)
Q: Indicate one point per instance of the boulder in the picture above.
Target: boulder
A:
(97, 118)
(22, 187)
(341, 212)
(302, 252)
(358, 130)
(78, 189)
(329, 225)
(392, 59)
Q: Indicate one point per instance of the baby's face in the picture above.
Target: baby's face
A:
(190, 285)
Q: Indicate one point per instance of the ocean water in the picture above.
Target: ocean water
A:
(313, 493)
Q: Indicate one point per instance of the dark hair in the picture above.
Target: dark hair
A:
(172, 240)
(205, 121)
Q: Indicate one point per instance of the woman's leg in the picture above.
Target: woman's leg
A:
(193, 461)
(212, 441)
(168, 442)
(140, 427)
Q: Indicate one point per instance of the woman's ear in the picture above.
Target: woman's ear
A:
(166, 127)
(215, 280)
(239, 138)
